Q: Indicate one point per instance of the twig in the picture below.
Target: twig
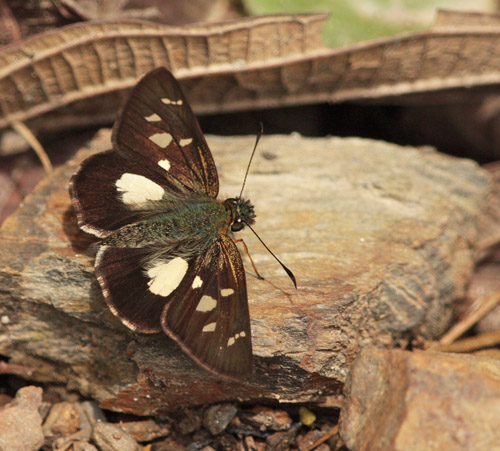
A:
(486, 304)
(20, 370)
(323, 439)
(469, 344)
(26, 133)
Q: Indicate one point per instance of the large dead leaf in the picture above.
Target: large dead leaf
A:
(90, 66)
(76, 76)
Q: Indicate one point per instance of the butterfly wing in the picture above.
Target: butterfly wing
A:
(105, 195)
(158, 128)
(160, 157)
(201, 302)
(126, 287)
(208, 315)
(159, 153)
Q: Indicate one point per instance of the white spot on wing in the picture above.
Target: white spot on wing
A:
(233, 339)
(171, 102)
(197, 282)
(137, 189)
(185, 141)
(206, 304)
(165, 164)
(209, 327)
(166, 277)
(161, 139)
(226, 292)
(153, 118)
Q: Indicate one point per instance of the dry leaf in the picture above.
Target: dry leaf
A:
(77, 76)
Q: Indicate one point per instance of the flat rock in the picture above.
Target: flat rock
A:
(421, 401)
(380, 237)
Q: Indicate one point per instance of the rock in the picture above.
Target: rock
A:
(91, 413)
(265, 418)
(83, 446)
(145, 431)
(281, 441)
(77, 440)
(217, 417)
(63, 420)
(190, 421)
(252, 445)
(21, 423)
(305, 441)
(421, 401)
(5, 399)
(110, 437)
(381, 238)
(169, 444)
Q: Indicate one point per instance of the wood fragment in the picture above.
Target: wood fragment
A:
(485, 304)
(392, 396)
(471, 344)
(333, 431)
(20, 370)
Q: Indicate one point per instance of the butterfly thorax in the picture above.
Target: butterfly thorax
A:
(196, 224)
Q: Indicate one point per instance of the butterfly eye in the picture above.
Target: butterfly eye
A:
(237, 225)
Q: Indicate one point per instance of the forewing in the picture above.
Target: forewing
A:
(208, 315)
(109, 191)
(160, 154)
(158, 128)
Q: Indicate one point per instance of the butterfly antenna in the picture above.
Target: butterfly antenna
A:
(289, 273)
(261, 132)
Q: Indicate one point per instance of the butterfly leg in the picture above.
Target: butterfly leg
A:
(240, 240)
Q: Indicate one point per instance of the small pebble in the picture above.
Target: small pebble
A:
(21, 423)
(110, 437)
(217, 417)
(63, 420)
(307, 417)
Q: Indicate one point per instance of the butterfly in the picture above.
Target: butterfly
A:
(166, 260)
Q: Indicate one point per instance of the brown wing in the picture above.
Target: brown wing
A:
(160, 154)
(209, 317)
(158, 128)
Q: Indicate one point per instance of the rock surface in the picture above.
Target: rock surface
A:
(421, 401)
(380, 237)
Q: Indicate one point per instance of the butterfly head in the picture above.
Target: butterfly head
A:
(242, 213)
